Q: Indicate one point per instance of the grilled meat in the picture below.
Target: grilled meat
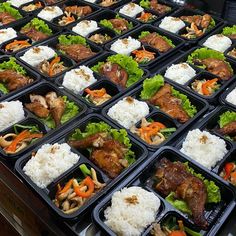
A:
(34, 34)
(6, 18)
(229, 129)
(107, 153)
(169, 104)
(206, 20)
(119, 24)
(175, 178)
(49, 2)
(115, 73)
(13, 80)
(80, 11)
(159, 8)
(198, 20)
(77, 52)
(156, 41)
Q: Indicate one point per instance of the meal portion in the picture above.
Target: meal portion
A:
(227, 123)
(120, 69)
(17, 45)
(160, 9)
(49, 162)
(108, 148)
(10, 113)
(75, 47)
(186, 190)
(126, 205)
(33, 6)
(85, 27)
(78, 190)
(50, 12)
(166, 98)
(212, 61)
(36, 30)
(8, 14)
(7, 34)
(97, 96)
(231, 97)
(20, 138)
(12, 76)
(128, 111)
(228, 172)
(157, 41)
(153, 132)
(205, 148)
(53, 110)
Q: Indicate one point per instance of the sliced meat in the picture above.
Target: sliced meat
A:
(229, 129)
(34, 34)
(196, 19)
(156, 41)
(13, 80)
(119, 24)
(6, 18)
(232, 36)
(107, 3)
(206, 20)
(159, 8)
(175, 178)
(77, 52)
(169, 104)
(38, 109)
(49, 2)
(79, 10)
(115, 73)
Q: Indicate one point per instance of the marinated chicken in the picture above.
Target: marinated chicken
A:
(115, 73)
(13, 80)
(100, 38)
(159, 8)
(217, 67)
(77, 52)
(106, 152)
(229, 130)
(43, 106)
(169, 104)
(174, 177)
(6, 18)
(107, 3)
(80, 11)
(34, 34)
(156, 41)
(119, 24)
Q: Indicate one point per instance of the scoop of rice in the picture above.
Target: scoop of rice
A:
(125, 46)
(180, 73)
(17, 3)
(78, 79)
(218, 42)
(128, 111)
(231, 97)
(85, 27)
(50, 162)
(34, 56)
(131, 9)
(172, 24)
(7, 34)
(132, 210)
(50, 12)
(10, 113)
(203, 147)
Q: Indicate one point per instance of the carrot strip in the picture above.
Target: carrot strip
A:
(17, 42)
(96, 93)
(86, 182)
(66, 187)
(208, 84)
(52, 63)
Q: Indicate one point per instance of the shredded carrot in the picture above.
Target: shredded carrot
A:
(38, 4)
(24, 43)
(142, 55)
(145, 16)
(208, 84)
(52, 63)
(177, 233)
(233, 176)
(90, 188)
(96, 93)
(66, 187)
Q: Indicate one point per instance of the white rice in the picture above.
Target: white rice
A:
(180, 73)
(231, 97)
(18, 3)
(172, 24)
(50, 12)
(203, 147)
(128, 111)
(129, 219)
(125, 46)
(49, 163)
(218, 42)
(34, 56)
(10, 113)
(92, 1)
(78, 79)
(85, 27)
(131, 9)
(7, 34)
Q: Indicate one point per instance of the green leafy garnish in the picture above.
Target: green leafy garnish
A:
(3, 89)
(226, 118)
(39, 25)
(145, 3)
(143, 34)
(229, 30)
(212, 24)
(6, 7)
(31, 128)
(84, 169)
(167, 132)
(72, 39)
(127, 63)
(12, 65)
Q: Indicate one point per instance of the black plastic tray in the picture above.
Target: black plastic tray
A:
(200, 104)
(34, 11)
(47, 193)
(224, 95)
(140, 178)
(117, 4)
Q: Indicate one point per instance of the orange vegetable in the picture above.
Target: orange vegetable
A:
(228, 169)
(177, 233)
(90, 188)
(38, 4)
(66, 187)
(208, 84)
(24, 43)
(52, 63)
(145, 16)
(96, 93)
(142, 55)
(233, 177)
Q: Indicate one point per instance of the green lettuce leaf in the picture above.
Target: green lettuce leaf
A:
(12, 65)
(6, 7)
(96, 68)
(151, 86)
(226, 118)
(31, 128)
(39, 25)
(72, 39)
(143, 34)
(3, 89)
(186, 104)
(212, 24)
(229, 30)
(145, 3)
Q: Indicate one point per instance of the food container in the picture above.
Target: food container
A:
(142, 177)
(33, 11)
(47, 194)
(113, 6)
(224, 95)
